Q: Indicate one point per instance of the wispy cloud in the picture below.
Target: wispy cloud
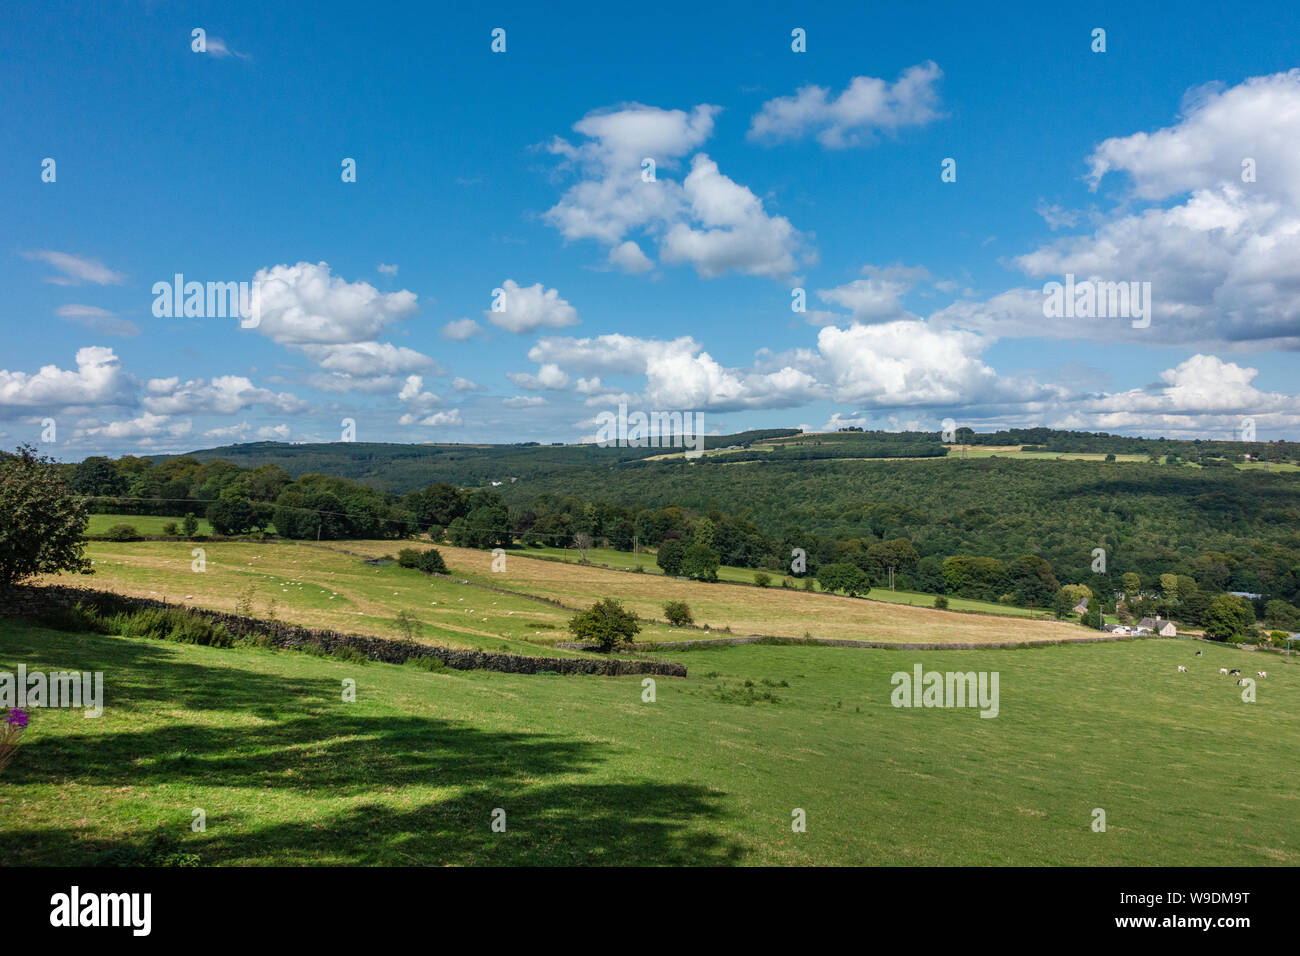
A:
(99, 320)
(76, 269)
(219, 49)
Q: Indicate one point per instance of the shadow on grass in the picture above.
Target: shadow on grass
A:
(344, 772)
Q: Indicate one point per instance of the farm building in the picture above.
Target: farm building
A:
(1156, 625)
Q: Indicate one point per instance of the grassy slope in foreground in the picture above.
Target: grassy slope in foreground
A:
(410, 773)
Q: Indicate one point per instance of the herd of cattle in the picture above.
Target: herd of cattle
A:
(1235, 672)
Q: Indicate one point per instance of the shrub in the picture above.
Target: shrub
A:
(761, 579)
(171, 624)
(429, 561)
(606, 624)
(809, 584)
(80, 617)
(256, 640)
(190, 525)
(746, 694)
(941, 602)
(350, 655)
(191, 629)
(678, 613)
(430, 663)
(171, 529)
(122, 532)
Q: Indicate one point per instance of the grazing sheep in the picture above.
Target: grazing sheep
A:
(1182, 669)
(1261, 673)
(1235, 672)
(1241, 682)
(1198, 653)
(1223, 670)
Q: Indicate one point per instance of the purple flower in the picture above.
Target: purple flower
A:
(17, 717)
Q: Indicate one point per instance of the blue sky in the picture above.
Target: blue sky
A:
(775, 170)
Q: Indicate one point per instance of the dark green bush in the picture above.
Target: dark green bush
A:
(79, 617)
(429, 561)
(171, 624)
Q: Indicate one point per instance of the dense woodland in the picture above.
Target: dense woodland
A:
(401, 468)
(996, 529)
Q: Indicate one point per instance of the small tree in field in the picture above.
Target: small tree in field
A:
(606, 624)
(190, 526)
(406, 624)
(678, 613)
(42, 526)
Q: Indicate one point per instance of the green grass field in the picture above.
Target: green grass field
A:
(411, 772)
(145, 524)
